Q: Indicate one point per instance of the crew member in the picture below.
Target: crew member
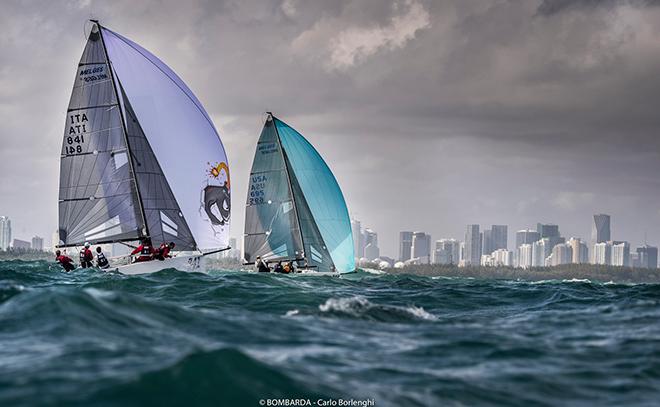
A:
(86, 257)
(64, 260)
(101, 260)
(278, 268)
(164, 250)
(262, 266)
(145, 250)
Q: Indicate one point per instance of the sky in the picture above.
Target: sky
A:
(431, 114)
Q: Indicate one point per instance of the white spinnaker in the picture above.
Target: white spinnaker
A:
(182, 137)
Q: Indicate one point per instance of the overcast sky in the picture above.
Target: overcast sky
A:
(432, 114)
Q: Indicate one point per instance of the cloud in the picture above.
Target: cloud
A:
(354, 44)
(570, 201)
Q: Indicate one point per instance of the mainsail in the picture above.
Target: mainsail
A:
(295, 209)
(140, 157)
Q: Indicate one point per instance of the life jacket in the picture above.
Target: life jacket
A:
(146, 250)
(101, 260)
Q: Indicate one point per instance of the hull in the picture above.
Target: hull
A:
(303, 272)
(194, 263)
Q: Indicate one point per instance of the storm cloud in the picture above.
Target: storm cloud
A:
(431, 114)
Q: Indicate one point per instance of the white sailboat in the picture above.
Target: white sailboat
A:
(140, 159)
(295, 210)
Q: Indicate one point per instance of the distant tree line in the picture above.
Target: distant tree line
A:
(591, 272)
(25, 254)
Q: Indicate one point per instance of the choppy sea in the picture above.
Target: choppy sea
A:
(231, 338)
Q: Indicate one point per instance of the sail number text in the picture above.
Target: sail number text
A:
(257, 185)
(75, 139)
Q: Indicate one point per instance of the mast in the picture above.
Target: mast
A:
(288, 180)
(145, 226)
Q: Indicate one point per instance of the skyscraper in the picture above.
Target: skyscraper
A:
(561, 254)
(472, 245)
(371, 249)
(648, 256)
(487, 242)
(600, 231)
(580, 251)
(603, 253)
(405, 245)
(19, 244)
(358, 242)
(5, 233)
(421, 247)
(499, 234)
(547, 230)
(621, 254)
(525, 252)
(527, 236)
(37, 243)
(447, 251)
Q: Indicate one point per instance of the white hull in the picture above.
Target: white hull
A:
(193, 263)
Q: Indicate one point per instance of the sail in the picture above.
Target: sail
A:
(97, 194)
(324, 199)
(180, 141)
(163, 216)
(271, 227)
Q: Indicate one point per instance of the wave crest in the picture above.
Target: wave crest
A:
(361, 308)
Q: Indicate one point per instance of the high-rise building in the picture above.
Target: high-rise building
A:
(358, 239)
(37, 243)
(600, 231)
(5, 233)
(525, 237)
(500, 236)
(447, 251)
(621, 254)
(648, 256)
(405, 245)
(472, 245)
(547, 230)
(486, 242)
(502, 257)
(602, 253)
(371, 252)
(541, 249)
(580, 251)
(421, 247)
(525, 252)
(19, 244)
(562, 253)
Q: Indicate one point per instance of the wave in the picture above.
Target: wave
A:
(361, 308)
(225, 376)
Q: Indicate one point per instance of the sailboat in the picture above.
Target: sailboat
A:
(141, 159)
(295, 210)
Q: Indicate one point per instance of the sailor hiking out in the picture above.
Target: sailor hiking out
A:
(101, 260)
(86, 257)
(64, 260)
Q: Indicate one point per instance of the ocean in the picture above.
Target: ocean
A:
(231, 339)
